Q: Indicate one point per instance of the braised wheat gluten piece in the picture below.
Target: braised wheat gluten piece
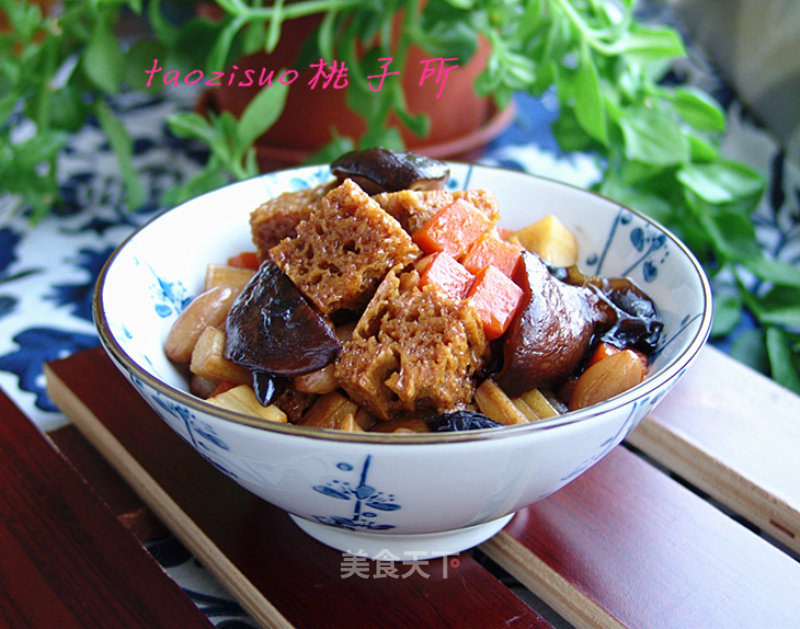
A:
(276, 219)
(413, 207)
(343, 250)
(413, 350)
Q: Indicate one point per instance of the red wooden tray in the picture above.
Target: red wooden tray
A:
(281, 576)
(65, 561)
(623, 545)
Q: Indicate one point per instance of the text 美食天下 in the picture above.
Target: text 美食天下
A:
(325, 75)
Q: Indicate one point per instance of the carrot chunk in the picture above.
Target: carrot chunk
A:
(444, 271)
(605, 349)
(245, 260)
(496, 298)
(452, 229)
(490, 250)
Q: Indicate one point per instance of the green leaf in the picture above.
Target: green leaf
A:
(254, 37)
(221, 51)
(749, 348)
(461, 4)
(569, 133)
(206, 180)
(641, 200)
(701, 150)
(197, 36)
(733, 234)
(582, 88)
(698, 109)
(721, 182)
(780, 306)
(140, 57)
(68, 109)
(653, 137)
(39, 149)
(782, 366)
(647, 44)
(261, 113)
(326, 35)
(7, 106)
(336, 147)
(773, 271)
(274, 28)
(191, 125)
(448, 41)
(389, 138)
(418, 124)
(727, 313)
(162, 29)
(122, 145)
(103, 61)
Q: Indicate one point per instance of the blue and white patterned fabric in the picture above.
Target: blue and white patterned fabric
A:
(48, 271)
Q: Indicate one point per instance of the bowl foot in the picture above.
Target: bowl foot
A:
(388, 547)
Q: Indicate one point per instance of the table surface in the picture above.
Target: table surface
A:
(693, 522)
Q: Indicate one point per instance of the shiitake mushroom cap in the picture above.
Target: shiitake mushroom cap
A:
(379, 169)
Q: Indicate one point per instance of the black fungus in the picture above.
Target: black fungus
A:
(267, 387)
(455, 421)
(635, 320)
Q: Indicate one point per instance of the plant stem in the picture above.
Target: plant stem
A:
(290, 11)
(593, 36)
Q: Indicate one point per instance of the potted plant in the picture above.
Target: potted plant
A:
(657, 145)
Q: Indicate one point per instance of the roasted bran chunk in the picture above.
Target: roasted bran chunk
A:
(274, 220)
(413, 207)
(414, 350)
(343, 250)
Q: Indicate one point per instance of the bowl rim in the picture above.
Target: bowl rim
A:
(646, 388)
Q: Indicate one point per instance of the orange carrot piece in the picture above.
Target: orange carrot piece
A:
(444, 271)
(452, 229)
(604, 349)
(496, 298)
(245, 260)
(490, 250)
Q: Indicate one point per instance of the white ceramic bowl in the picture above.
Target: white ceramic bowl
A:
(409, 496)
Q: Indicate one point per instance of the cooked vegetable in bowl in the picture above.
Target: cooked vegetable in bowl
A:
(398, 356)
(387, 308)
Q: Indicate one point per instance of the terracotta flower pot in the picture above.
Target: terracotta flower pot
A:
(460, 121)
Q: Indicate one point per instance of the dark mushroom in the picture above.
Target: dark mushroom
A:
(551, 332)
(271, 328)
(378, 170)
(563, 315)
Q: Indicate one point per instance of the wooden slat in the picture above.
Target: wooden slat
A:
(129, 509)
(65, 561)
(736, 435)
(279, 574)
(625, 545)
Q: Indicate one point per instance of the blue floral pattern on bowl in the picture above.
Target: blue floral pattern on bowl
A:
(367, 500)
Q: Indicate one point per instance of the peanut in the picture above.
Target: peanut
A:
(606, 378)
(208, 308)
(208, 359)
